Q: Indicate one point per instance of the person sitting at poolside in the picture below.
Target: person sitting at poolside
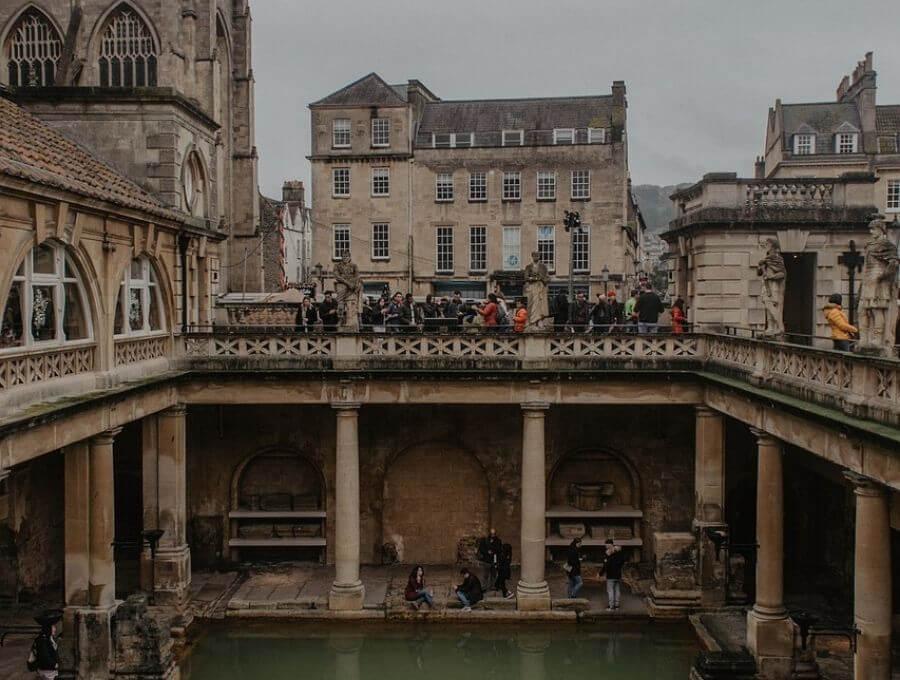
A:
(416, 592)
(469, 591)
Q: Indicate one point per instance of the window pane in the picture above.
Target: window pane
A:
(137, 270)
(74, 318)
(477, 249)
(511, 255)
(43, 313)
(11, 333)
(445, 249)
(119, 320)
(154, 311)
(135, 310)
(44, 259)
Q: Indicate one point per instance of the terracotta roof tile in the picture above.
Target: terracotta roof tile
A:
(33, 151)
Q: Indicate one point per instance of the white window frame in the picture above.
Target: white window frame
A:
(442, 135)
(334, 183)
(563, 135)
(512, 248)
(381, 176)
(892, 204)
(545, 186)
(804, 144)
(547, 246)
(381, 241)
(334, 133)
(477, 248)
(839, 142)
(443, 243)
(508, 135)
(508, 195)
(580, 196)
(583, 234)
(597, 135)
(28, 279)
(146, 287)
(442, 181)
(462, 140)
(385, 124)
(345, 239)
(478, 180)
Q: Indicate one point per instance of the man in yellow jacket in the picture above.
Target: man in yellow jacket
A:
(841, 329)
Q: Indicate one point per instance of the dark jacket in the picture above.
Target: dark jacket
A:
(612, 567)
(430, 310)
(452, 310)
(616, 312)
(413, 588)
(329, 312)
(307, 317)
(648, 307)
(600, 314)
(560, 310)
(471, 588)
(573, 559)
(44, 648)
(581, 312)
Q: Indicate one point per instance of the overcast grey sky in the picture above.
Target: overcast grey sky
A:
(701, 74)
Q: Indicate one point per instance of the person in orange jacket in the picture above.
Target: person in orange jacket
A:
(841, 329)
(520, 320)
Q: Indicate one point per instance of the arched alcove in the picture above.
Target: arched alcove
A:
(278, 507)
(435, 495)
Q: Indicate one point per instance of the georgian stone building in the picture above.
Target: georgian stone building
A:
(433, 196)
(852, 134)
(163, 91)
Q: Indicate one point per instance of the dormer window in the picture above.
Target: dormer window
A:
(564, 136)
(804, 144)
(846, 142)
(596, 135)
(451, 140)
(513, 137)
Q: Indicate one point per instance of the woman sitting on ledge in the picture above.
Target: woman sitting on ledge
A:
(416, 592)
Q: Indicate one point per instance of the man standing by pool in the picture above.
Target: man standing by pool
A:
(612, 567)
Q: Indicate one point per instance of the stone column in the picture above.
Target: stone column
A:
(90, 570)
(533, 592)
(709, 502)
(872, 574)
(173, 558)
(770, 633)
(347, 592)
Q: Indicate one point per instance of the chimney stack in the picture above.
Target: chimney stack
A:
(293, 191)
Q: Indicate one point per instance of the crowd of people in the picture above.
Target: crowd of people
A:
(495, 558)
(642, 312)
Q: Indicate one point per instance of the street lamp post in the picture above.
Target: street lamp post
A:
(572, 224)
(604, 277)
(853, 260)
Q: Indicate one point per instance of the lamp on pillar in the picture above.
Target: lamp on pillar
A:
(853, 260)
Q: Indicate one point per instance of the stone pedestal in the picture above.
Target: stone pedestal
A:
(770, 633)
(532, 592)
(872, 576)
(347, 592)
(674, 592)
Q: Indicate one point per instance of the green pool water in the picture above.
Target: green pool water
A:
(478, 652)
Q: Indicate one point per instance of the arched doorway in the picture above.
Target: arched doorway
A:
(435, 494)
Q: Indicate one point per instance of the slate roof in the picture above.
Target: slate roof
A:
(370, 90)
(823, 118)
(887, 119)
(33, 151)
(486, 115)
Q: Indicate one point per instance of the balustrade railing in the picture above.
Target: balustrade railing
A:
(35, 366)
(794, 193)
(132, 351)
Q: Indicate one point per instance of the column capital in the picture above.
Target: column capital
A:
(763, 438)
(702, 411)
(178, 410)
(863, 486)
(107, 437)
(346, 407)
(535, 407)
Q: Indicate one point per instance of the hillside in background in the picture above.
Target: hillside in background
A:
(655, 205)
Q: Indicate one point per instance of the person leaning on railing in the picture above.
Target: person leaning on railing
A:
(842, 331)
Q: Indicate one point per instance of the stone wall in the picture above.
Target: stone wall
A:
(433, 476)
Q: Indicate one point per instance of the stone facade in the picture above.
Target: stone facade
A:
(394, 185)
(180, 124)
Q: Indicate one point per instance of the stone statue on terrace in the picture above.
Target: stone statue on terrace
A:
(772, 271)
(878, 295)
(536, 280)
(347, 288)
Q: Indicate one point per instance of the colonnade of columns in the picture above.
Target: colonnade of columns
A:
(770, 631)
(90, 570)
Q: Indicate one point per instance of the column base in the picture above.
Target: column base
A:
(770, 638)
(86, 648)
(672, 604)
(346, 596)
(173, 576)
(531, 597)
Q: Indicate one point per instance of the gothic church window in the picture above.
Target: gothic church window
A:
(32, 51)
(46, 303)
(128, 54)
